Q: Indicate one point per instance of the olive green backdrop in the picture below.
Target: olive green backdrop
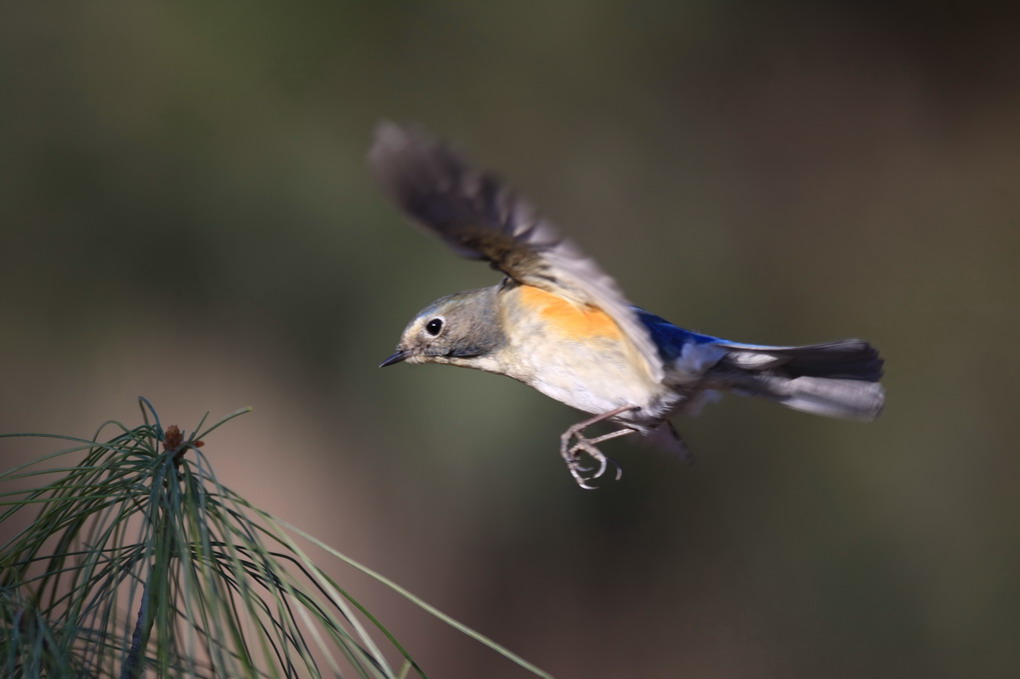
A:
(186, 214)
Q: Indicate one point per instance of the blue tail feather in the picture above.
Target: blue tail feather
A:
(837, 379)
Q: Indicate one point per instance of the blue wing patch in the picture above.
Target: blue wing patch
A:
(670, 339)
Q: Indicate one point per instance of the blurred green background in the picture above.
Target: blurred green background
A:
(186, 214)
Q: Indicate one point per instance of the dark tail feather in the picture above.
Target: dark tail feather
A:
(837, 379)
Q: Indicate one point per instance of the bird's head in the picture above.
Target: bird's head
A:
(460, 329)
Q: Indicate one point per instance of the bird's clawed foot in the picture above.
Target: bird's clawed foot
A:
(574, 445)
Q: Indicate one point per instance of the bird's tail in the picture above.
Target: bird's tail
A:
(837, 379)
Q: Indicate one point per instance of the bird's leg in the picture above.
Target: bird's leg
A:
(572, 453)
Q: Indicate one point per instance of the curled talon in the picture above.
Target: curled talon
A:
(579, 479)
(576, 463)
(580, 472)
(619, 469)
(596, 455)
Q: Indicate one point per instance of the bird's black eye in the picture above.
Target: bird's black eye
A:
(434, 326)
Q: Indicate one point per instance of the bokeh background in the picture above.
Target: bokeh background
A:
(186, 214)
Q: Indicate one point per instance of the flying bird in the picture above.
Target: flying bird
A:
(560, 324)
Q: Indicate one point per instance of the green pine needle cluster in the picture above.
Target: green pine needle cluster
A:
(140, 562)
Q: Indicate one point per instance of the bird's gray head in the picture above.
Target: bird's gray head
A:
(460, 329)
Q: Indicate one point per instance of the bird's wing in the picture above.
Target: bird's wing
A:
(480, 218)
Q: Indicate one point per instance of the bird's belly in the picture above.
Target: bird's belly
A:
(578, 355)
(596, 377)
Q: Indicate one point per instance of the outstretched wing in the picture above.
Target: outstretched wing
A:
(481, 219)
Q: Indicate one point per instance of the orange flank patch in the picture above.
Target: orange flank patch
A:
(568, 318)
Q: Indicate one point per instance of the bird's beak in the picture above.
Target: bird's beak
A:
(401, 355)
